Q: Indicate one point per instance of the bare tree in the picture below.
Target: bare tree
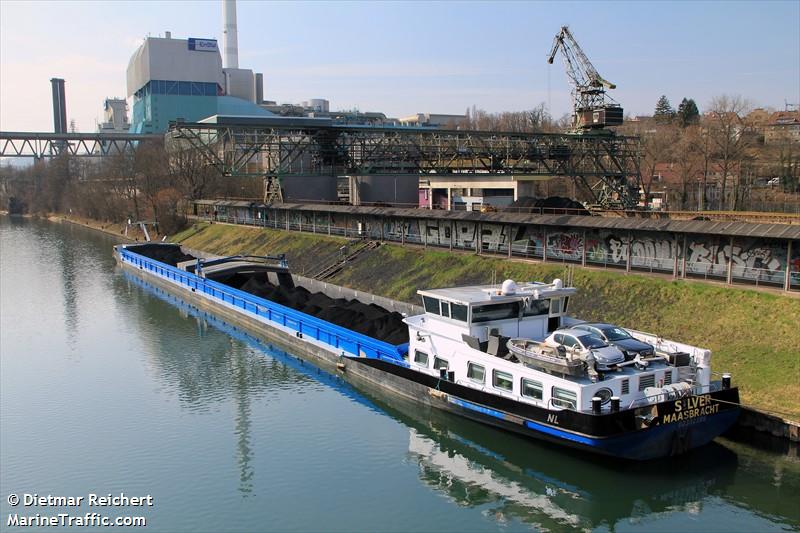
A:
(192, 175)
(534, 120)
(688, 157)
(658, 147)
(151, 166)
(121, 174)
(729, 140)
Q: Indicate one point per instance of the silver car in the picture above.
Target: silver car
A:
(605, 355)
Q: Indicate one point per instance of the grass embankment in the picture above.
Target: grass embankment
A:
(306, 253)
(755, 335)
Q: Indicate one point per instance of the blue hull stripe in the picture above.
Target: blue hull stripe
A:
(561, 434)
(531, 425)
(475, 407)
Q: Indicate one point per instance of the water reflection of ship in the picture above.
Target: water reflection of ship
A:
(217, 367)
(546, 487)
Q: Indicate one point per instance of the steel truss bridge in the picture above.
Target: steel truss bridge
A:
(40, 145)
(606, 164)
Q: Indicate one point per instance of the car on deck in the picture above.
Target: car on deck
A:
(619, 337)
(583, 343)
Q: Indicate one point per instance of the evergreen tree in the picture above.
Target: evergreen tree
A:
(664, 111)
(687, 112)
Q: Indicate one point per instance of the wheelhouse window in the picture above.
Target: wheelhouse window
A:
(531, 389)
(537, 308)
(476, 373)
(458, 312)
(502, 380)
(487, 313)
(421, 358)
(440, 363)
(555, 306)
(565, 399)
(431, 304)
(445, 309)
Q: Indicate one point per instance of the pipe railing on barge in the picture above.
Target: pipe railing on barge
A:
(349, 342)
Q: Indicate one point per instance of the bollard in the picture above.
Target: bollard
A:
(596, 402)
(726, 381)
(615, 404)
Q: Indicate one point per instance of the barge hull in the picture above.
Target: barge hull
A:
(382, 376)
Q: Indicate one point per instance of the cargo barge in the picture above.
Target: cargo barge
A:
(458, 353)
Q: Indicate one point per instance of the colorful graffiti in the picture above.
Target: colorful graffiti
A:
(750, 259)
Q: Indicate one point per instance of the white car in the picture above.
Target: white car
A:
(587, 344)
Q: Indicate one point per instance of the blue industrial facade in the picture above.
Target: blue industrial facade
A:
(160, 101)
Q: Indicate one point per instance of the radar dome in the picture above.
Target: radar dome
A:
(509, 287)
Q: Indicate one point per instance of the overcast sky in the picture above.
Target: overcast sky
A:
(408, 57)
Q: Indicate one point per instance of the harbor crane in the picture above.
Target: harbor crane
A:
(593, 109)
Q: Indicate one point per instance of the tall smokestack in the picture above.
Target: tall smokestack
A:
(59, 106)
(230, 41)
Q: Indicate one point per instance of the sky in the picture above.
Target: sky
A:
(402, 58)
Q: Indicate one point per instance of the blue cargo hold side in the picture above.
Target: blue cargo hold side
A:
(342, 339)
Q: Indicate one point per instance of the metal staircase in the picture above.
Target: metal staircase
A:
(349, 252)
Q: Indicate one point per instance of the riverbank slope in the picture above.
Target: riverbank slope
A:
(753, 334)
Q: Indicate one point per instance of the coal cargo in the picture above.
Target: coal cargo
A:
(368, 319)
(170, 254)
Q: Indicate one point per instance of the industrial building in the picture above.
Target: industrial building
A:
(436, 120)
(115, 116)
(472, 193)
(185, 78)
(197, 80)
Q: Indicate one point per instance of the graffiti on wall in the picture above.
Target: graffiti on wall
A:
(749, 259)
(706, 255)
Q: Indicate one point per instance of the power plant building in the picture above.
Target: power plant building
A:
(171, 79)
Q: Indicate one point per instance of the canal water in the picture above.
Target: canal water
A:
(109, 386)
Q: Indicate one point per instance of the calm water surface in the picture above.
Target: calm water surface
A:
(108, 385)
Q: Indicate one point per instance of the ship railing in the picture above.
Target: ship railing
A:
(349, 342)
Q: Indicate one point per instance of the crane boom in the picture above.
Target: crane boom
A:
(591, 110)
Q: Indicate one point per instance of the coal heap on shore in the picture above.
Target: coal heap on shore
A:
(551, 204)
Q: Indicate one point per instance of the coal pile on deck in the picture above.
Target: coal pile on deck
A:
(368, 319)
(170, 254)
